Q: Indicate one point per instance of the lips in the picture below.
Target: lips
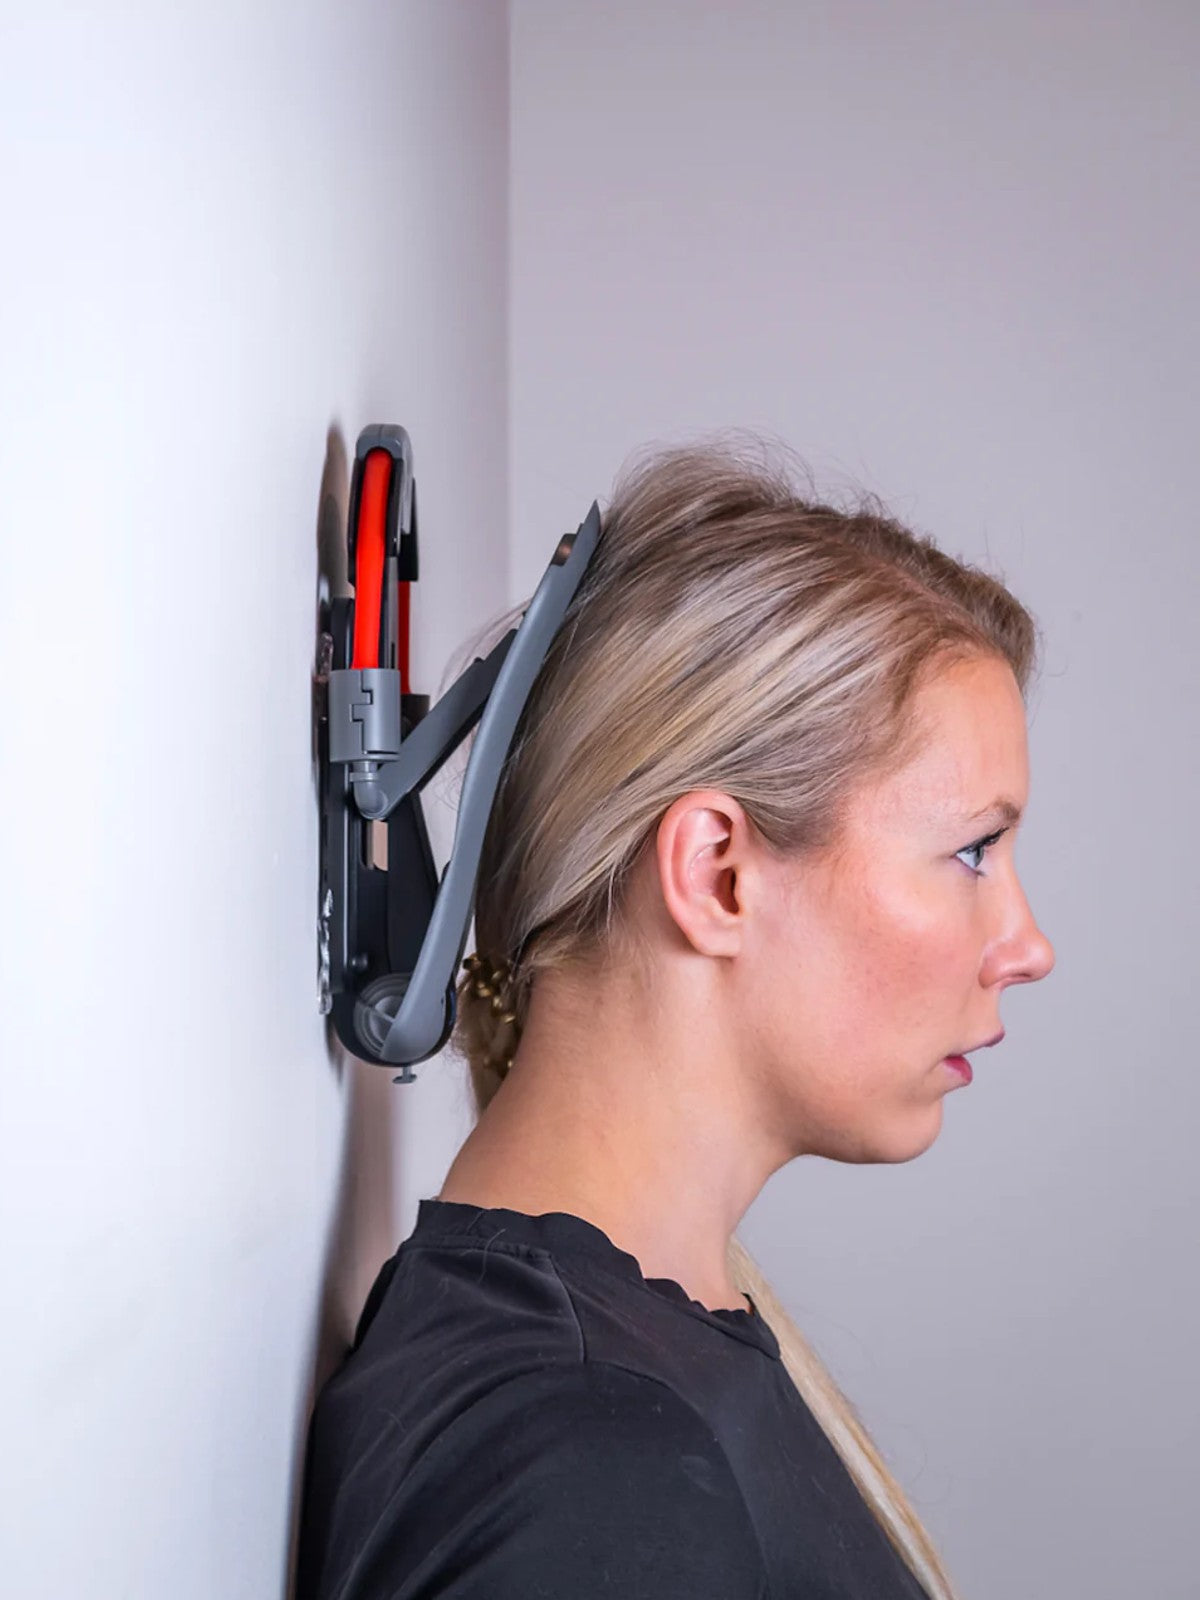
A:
(984, 1044)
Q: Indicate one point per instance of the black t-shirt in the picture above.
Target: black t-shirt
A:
(525, 1416)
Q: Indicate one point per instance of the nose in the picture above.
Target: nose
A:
(1023, 953)
(1039, 957)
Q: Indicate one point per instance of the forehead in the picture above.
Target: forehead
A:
(973, 750)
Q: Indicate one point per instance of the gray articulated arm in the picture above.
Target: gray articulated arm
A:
(418, 1027)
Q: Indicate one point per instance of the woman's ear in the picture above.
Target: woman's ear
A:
(702, 856)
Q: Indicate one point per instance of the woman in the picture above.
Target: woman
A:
(747, 884)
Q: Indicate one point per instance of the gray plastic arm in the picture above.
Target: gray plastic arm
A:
(417, 1029)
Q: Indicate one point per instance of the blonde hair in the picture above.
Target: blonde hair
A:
(728, 634)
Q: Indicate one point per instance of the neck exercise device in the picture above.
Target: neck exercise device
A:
(391, 934)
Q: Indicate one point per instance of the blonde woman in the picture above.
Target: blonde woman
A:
(748, 893)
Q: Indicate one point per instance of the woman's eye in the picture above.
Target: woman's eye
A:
(980, 846)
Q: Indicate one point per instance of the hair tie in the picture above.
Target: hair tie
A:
(492, 981)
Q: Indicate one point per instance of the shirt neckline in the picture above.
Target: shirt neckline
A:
(564, 1233)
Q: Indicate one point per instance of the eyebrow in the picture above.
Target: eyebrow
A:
(1005, 810)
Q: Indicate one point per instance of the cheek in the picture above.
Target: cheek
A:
(915, 957)
(884, 966)
(854, 1003)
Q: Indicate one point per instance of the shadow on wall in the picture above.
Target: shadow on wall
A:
(359, 1237)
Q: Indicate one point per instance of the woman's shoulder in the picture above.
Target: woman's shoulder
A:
(604, 1478)
(512, 1407)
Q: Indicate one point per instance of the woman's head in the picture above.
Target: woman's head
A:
(749, 762)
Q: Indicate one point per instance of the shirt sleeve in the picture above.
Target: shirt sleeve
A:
(570, 1483)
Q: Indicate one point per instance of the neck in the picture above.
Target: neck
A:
(636, 1131)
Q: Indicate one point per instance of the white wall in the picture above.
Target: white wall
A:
(229, 232)
(948, 253)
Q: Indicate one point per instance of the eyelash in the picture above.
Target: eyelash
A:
(980, 844)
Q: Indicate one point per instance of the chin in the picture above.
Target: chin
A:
(931, 1134)
(901, 1143)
